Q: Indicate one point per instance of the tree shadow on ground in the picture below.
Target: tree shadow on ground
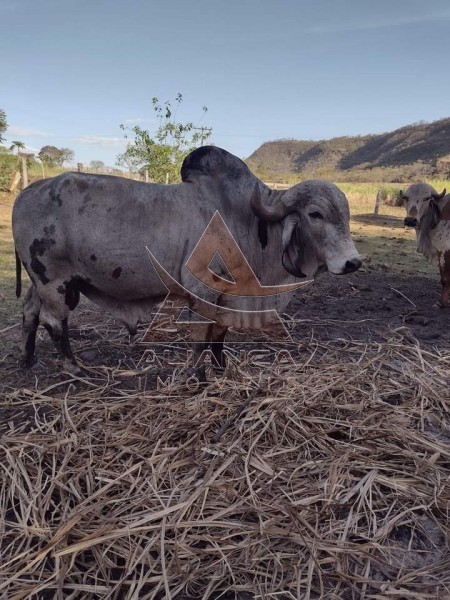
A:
(379, 220)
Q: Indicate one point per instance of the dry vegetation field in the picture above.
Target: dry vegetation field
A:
(329, 477)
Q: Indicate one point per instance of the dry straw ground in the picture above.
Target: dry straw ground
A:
(330, 479)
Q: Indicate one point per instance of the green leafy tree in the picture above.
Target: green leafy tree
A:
(55, 157)
(67, 155)
(163, 152)
(3, 124)
(49, 155)
(97, 165)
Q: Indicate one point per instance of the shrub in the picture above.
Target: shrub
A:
(8, 166)
(390, 196)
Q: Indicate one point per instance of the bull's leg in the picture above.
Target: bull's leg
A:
(217, 339)
(200, 333)
(207, 336)
(54, 314)
(30, 323)
(445, 281)
(59, 332)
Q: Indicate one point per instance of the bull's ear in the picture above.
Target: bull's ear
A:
(436, 213)
(303, 232)
(304, 245)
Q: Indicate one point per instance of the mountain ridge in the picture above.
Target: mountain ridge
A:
(416, 147)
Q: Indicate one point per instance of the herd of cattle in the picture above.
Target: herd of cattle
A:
(90, 234)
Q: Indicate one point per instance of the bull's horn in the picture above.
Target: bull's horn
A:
(441, 195)
(268, 213)
(402, 195)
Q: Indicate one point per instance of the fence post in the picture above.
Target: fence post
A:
(15, 182)
(24, 171)
(377, 203)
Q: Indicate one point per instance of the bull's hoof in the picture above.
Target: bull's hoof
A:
(198, 373)
(75, 370)
(27, 362)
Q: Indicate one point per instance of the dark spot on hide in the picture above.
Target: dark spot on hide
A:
(84, 285)
(82, 185)
(38, 248)
(86, 199)
(262, 233)
(71, 292)
(93, 257)
(54, 197)
(116, 273)
(72, 296)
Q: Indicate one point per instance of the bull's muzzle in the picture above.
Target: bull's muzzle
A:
(352, 265)
(410, 222)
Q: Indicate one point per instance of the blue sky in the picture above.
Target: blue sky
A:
(73, 71)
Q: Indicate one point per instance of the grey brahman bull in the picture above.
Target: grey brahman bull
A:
(81, 233)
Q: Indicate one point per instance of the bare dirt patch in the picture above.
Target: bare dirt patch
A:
(368, 304)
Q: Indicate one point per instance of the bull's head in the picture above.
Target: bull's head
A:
(316, 232)
(418, 198)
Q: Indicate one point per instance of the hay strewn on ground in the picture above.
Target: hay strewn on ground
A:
(332, 482)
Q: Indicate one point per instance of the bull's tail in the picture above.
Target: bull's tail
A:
(18, 276)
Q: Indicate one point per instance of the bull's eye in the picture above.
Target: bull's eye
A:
(315, 215)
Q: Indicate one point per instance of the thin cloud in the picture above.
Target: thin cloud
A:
(381, 24)
(24, 131)
(100, 140)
